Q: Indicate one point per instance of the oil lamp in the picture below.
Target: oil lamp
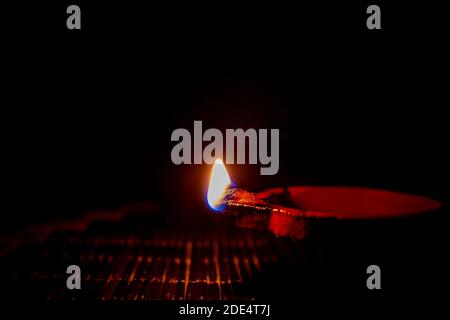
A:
(289, 211)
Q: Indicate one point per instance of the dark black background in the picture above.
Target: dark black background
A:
(87, 115)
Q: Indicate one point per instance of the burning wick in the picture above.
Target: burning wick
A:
(252, 210)
(303, 204)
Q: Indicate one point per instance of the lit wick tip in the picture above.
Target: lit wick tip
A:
(225, 199)
(251, 210)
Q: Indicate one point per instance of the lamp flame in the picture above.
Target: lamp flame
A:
(218, 184)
